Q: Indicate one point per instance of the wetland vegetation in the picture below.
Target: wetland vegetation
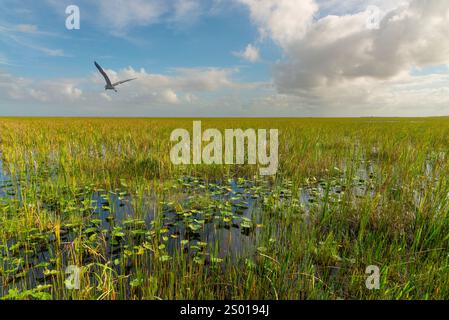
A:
(103, 195)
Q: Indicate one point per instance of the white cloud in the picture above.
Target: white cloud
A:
(28, 90)
(178, 87)
(331, 64)
(282, 20)
(105, 96)
(341, 48)
(169, 96)
(48, 51)
(23, 34)
(27, 28)
(179, 79)
(346, 7)
(251, 53)
(118, 15)
(186, 11)
(190, 98)
(336, 60)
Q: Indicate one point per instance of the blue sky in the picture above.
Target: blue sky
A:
(157, 46)
(225, 58)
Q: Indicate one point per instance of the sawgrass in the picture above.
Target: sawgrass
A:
(348, 193)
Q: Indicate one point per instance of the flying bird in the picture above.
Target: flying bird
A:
(109, 85)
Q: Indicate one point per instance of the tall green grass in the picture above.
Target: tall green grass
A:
(301, 250)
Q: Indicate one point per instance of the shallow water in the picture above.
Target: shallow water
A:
(204, 220)
(115, 211)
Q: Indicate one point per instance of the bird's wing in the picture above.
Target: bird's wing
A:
(108, 81)
(123, 81)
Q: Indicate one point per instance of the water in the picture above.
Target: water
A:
(113, 213)
(203, 220)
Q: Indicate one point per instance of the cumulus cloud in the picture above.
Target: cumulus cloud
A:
(338, 7)
(190, 98)
(176, 88)
(25, 89)
(178, 79)
(336, 59)
(330, 62)
(170, 96)
(251, 54)
(341, 48)
(283, 20)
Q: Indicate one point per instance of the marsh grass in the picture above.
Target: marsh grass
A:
(103, 195)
